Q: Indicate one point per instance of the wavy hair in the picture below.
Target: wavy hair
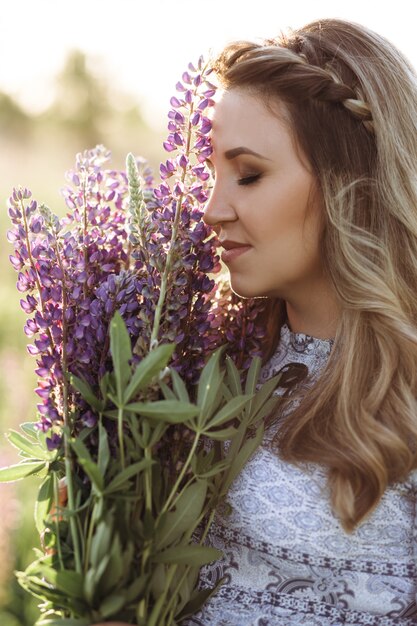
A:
(351, 98)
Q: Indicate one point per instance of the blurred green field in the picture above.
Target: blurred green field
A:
(36, 152)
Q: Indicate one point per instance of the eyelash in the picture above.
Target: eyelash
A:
(248, 180)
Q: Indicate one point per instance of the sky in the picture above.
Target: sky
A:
(145, 46)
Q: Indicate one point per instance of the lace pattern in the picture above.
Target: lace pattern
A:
(287, 560)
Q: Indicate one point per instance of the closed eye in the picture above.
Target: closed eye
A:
(248, 180)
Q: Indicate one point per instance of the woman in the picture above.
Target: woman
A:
(315, 203)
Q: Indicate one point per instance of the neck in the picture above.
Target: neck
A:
(318, 318)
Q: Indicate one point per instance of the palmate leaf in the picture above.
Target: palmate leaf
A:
(242, 457)
(121, 478)
(148, 368)
(66, 581)
(103, 449)
(87, 393)
(44, 502)
(253, 375)
(223, 433)
(188, 508)
(84, 459)
(112, 604)
(264, 394)
(121, 352)
(233, 377)
(170, 411)
(21, 470)
(198, 598)
(252, 378)
(62, 621)
(188, 555)
(229, 411)
(179, 386)
(209, 385)
(28, 446)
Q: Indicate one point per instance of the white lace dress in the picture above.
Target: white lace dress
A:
(287, 560)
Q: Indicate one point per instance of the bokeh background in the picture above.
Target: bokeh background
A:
(81, 72)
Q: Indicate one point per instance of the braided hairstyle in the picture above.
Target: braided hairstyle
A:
(351, 99)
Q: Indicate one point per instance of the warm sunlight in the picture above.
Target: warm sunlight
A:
(144, 47)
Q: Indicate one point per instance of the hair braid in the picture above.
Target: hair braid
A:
(290, 74)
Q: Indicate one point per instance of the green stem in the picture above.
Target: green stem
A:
(58, 538)
(120, 436)
(181, 475)
(148, 482)
(154, 618)
(71, 502)
(67, 423)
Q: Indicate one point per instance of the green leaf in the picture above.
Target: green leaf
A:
(103, 449)
(135, 590)
(252, 376)
(209, 385)
(67, 581)
(188, 555)
(30, 429)
(216, 469)
(104, 385)
(223, 434)
(266, 408)
(21, 470)
(44, 502)
(198, 599)
(86, 391)
(112, 604)
(147, 369)
(242, 458)
(168, 393)
(100, 545)
(171, 411)
(227, 394)
(158, 581)
(157, 433)
(121, 352)
(233, 377)
(33, 450)
(79, 621)
(115, 568)
(229, 411)
(126, 474)
(187, 509)
(264, 394)
(87, 463)
(179, 386)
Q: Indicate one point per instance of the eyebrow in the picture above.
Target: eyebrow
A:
(235, 152)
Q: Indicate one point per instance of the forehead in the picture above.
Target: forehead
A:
(243, 118)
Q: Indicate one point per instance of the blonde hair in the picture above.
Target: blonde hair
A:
(352, 103)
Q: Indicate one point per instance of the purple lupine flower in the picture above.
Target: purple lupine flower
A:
(110, 252)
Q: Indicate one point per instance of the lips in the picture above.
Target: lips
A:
(227, 244)
(233, 250)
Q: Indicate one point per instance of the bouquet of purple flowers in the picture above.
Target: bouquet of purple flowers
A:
(146, 367)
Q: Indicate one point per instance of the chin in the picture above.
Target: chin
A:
(245, 291)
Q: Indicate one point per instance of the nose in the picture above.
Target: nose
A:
(219, 208)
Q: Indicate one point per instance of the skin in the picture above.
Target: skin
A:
(268, 200)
